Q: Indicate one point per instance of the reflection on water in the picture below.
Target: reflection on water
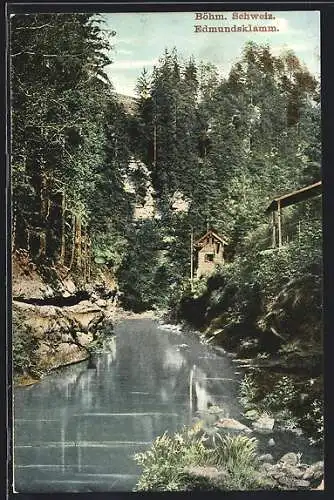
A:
(78, 429)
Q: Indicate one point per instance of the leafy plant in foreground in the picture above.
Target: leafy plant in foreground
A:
(165, 464)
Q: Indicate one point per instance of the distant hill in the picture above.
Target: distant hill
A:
(128, 102)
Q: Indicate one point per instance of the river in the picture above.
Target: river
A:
(77, 430)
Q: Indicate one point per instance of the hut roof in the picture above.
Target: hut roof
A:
(296, 196)
(213, 233)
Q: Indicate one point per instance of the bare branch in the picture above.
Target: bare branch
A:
(46, 55)
(34, 27)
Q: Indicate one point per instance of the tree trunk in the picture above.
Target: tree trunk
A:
(279, 216)
(85, 255)
(28, 241)
(42, 244)
(155, 145)
(73, 241)
(78, 243)
(88, 260)
(62, 237)
(43, 215)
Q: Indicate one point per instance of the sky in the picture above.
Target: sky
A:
(141, 39)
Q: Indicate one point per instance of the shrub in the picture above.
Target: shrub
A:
(165, 464)
(237, 455)
(282, 395)
(248, 392)
(235, 450)
(314, 420)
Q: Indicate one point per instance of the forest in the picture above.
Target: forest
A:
(212, 151)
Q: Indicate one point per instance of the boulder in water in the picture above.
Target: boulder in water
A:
(290, 459)
(232, 424)
(267, 457)
(264, 423)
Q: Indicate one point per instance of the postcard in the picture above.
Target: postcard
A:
(166, 230)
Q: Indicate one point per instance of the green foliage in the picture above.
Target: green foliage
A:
(164, 465)
(70, 141)
(281, 394)
(233, 451)
(281, 397)
(24, 347)
(315, 419)
(237, 455)
(248, 392)
(142, 275)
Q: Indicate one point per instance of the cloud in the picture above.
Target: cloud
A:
(124, 51)
(282, 24)
(123, 84)
(127, 41)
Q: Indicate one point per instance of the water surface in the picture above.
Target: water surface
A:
(77, 430)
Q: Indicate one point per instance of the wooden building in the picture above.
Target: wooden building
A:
(286, 200)
(210, 252)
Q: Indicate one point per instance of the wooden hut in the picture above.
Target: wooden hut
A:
(286, 200)
(210, 252)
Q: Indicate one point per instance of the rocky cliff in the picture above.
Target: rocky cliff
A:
(56, 321)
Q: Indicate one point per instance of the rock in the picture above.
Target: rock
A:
(287, 482)
(301, 483)
(230, 423)
(61, 334)
(266, 458)
(267, 467)
(271, 442)
(277, 474)
(205, 471)
(286, 476)
(315, 471)
(101, 303)
(69, 286)
(289, 459)
(84, 314)
(214, 409)
(264, 423)
(252, 414)
(84, 339)
(295, 472)
(205, 476)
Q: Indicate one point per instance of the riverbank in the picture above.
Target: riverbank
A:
(231, 462)
(57, 319)
(46, 337)
(278, 391)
